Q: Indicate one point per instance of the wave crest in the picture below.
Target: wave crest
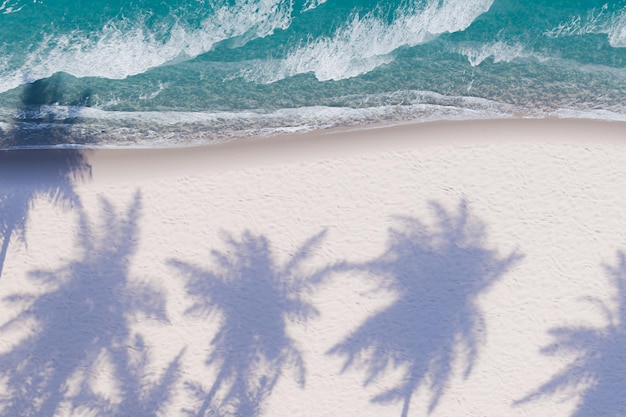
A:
(312, 4)
(366, 42)
(500, 51)
(597, 21)
(124, 48)
(7, 7)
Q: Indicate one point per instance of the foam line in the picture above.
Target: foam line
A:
(366, 42)
(124, 48)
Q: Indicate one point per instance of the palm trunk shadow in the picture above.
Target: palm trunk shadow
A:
(26, 174)
(82, 327)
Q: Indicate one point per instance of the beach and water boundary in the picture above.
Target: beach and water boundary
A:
(206, 211)
(328, 273)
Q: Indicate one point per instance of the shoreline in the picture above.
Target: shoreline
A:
(346, 142)
(57, 135)
(145, 271)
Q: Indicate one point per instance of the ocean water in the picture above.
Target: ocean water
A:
(173, 72)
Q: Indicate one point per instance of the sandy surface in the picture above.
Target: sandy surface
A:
(397, 271)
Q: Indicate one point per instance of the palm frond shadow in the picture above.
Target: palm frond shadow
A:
(26, 174)
(597, 375)
(435, 321)
(254, 297)
(81, 326)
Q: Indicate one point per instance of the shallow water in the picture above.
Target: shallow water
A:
(168, 73)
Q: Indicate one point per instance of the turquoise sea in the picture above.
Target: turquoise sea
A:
(173, 72)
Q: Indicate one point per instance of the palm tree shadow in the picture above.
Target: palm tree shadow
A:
(26, 174)
(436, 276)
(255, 298)
(81, 326)
(597, 376)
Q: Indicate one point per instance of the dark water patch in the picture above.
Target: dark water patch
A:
(47, 114)
(26, 175)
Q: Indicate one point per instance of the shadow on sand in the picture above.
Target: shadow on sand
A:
(79, 329)
(436, 276)
(26, 174)
(253, 298)
(597, 375)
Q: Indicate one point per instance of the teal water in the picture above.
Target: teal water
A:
(167, 73)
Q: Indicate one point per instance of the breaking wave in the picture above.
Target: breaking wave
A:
(367, 42)
(125, 47)
(597, 21)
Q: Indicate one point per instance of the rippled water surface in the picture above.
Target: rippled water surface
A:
(167, 73)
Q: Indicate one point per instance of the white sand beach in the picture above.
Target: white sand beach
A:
(442, 269)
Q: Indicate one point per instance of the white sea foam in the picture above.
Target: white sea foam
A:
(579, 25)
(597, 21)
(8, 7)
(312, 4)
(592, 114)
(172, 128)
(153, 94)
(366, 42)
(500, 51)
(617, 31)
(124, 48)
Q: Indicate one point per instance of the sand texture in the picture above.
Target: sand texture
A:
(461, 269)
